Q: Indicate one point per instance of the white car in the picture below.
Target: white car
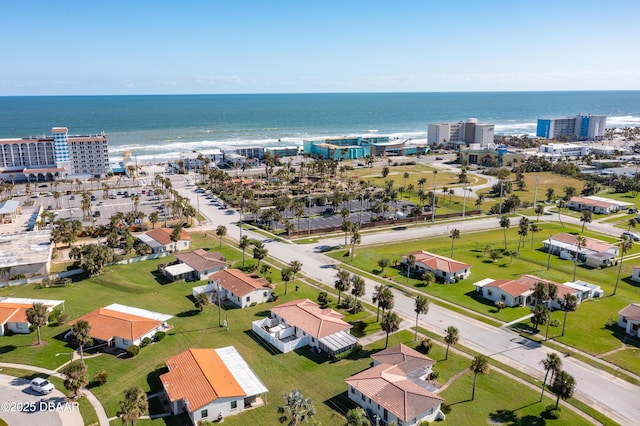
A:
(42, 386)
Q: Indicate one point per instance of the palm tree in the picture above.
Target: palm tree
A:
(264, 269)
(299, 408)
(357, 291)
(504, 224)
(383, 262)
(450, 338)
(37, 315)
(585, 217)
(538, 210)
(390, 324)
(295, 266)
(540, 316)
(342, 283)
(201, 301)
(355, 240)
(580, 243)
(421, 308)
(479, 365)
(569, 304)
(561, 205)
(221, 231)
(625, 245)
(534, 229)
(81, 333)
(242, 245)
(286, 274)
(76, 377)
(454, 235)
(378, 297)
(411, 261)
(134, 406)
(552, 363)
(564, 385)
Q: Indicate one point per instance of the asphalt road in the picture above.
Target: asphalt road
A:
(616, 398)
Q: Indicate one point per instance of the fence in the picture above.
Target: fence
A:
(32, 280)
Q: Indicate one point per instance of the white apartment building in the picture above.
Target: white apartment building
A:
(467, 132)
(556, 151)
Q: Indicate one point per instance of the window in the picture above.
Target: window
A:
(234, 405)
(248, 299)
(204, 414)
(362, 396)
(503, 297)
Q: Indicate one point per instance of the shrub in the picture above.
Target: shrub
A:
(63, 318)
(499, 305)
(423, 423)
(426, 344)
(611, 322)
(101, 377)
(54, 315)
(145, 342)
(159, 336)
(554, 323)
(133, 350)
(554, 414)
(323, 299)
(17, 277)
(434, 375)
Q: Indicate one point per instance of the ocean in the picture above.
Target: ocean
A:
(159, 127)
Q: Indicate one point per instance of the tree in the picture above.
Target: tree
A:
(564, 386)
(357, 417)
(134, 405)
(259, 251)
(479, 365)
(538, 210)
(421, 307)
(37, 315)
(242, 245)
(454, 235)
(75, 376)
(383, 263)
(93, 257)
(154, 217)
(221, 231)
(201, 301)
(585, 217)
(355, 240)
(264, 269)
(342, 283)
(295, 266)
(569, 304)
(390, 324)
(358, 290)
(540, 316)
(451, 337)
(625, 245)
(286, 274)
(385, 171)
(411, 261)
(379, 298)
(297, 409)
(504, 224)
(534, 229)
(81, 334)
(176, 234)
(552, 363)
(580, 243)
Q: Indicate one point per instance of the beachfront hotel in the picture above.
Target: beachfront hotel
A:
(462, 133)
(580, 127)
(54, 157)
(355, 147)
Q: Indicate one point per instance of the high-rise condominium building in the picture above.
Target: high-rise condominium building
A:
(463, 131)
(580, 127)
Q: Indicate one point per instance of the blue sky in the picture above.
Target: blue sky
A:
(165, 47)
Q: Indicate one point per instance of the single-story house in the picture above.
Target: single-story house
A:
(211, 384)
(26, 253)
(629, 318)
(13, 313)
(121, 326)
(239, 288)
(596, 204)
(300, 323)
(520, 292)
(442, 267)
(159, 240)
(397, 388)
(595, 253)
(193, 265)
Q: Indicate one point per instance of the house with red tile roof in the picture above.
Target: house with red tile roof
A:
(301, 323)
(121, 326)
(159, 240)
(595, 253)
(13, 313)
(629, 319)
(193, 265)
(444, 268)
(211, 384)
(397, 388)
(240, 289)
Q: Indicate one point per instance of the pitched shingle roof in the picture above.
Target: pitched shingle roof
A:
(199, 376)
(239, 283)
(631, 312)
(163, 235)
(440, 263)
(310, 318)
(201, 260)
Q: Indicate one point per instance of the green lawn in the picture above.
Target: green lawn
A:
(627, 359)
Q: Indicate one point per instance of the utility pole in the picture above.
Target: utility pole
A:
(535, 193)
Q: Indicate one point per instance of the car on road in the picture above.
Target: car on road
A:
(42, 386)
(631, 235)
(96, 214)
(439, 158)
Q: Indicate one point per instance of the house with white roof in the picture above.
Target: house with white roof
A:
(121, 326)
(397, 388)
(595, 253)
(597, 204)
(629, 319)
(26, 253)
(13, 313)
(301, 323)
(159, 240)
(443, 268)
(193, 265)
(211, 384)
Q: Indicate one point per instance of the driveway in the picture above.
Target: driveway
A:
(19, 405)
